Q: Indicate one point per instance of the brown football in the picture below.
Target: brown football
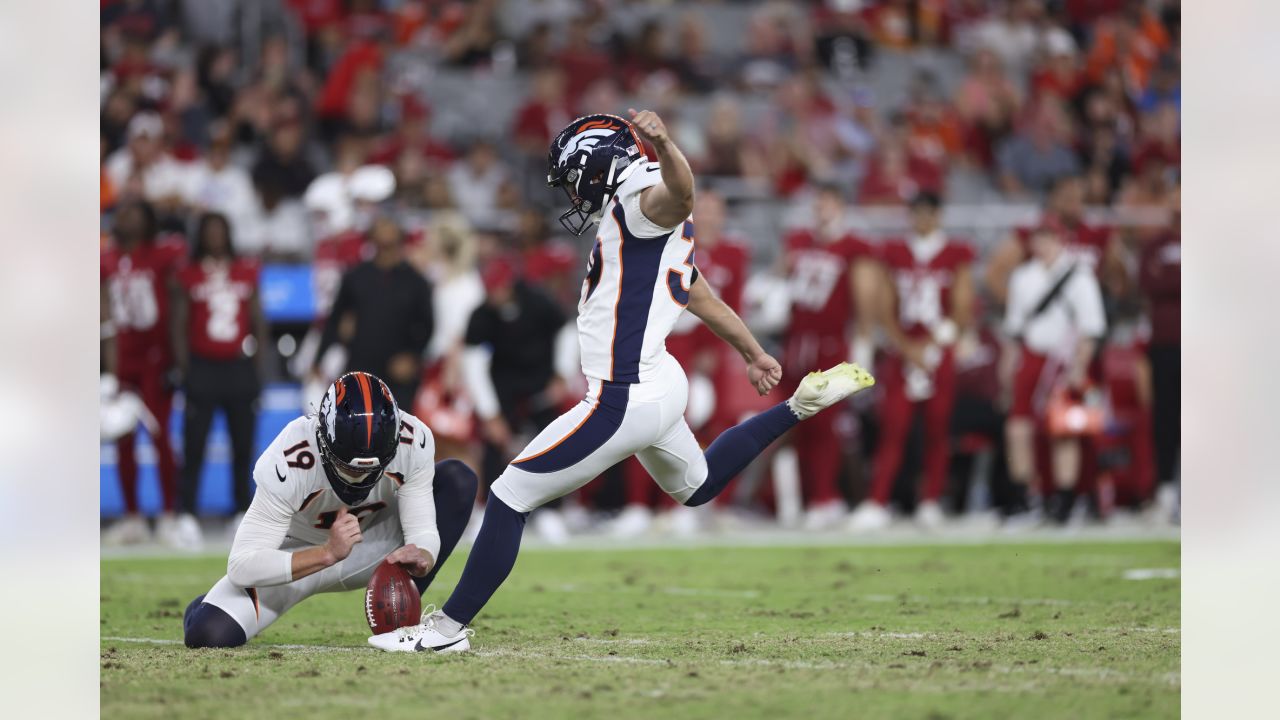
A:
(391, 600)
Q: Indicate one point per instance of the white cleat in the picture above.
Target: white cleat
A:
(929, 515)
(185, 533)
(869, 516)
(826, 515)
(820, 390)
(550, 526)
(424, 637)
(682, 521)
(632, 522)
(128, 530)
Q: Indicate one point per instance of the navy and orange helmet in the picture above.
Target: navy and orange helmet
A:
(358, 433)
(588, 159)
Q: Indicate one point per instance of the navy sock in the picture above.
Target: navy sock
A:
(738, 446)
(491, 560)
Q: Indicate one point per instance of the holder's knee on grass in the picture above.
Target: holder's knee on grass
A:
(209, 626)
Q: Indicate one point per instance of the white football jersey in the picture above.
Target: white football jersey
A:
(637, 284)
(290, 476)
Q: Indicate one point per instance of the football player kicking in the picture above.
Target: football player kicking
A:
(338, 493)
(640, 277)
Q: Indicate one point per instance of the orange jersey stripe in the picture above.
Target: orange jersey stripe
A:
(567, 435)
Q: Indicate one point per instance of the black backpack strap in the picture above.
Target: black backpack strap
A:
(1052, 294)
(1047, 299)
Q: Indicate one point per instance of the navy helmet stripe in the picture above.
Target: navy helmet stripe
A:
(641, 258)
(594, 431)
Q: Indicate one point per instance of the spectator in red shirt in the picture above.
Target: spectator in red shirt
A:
(547, 262)
(543, 114)
(135, 286)
(580, 57)
(218, 331)
(895, 173)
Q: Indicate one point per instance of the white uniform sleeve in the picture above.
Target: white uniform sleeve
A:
(643, 177)
(1015, 312)
(476, 362)
(256, 559)
(567, 358)
(417, 499)
(1086, 304)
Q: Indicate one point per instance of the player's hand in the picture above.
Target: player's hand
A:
(416, 561)
(343, 535)
(402, 367)
(913, 353)
(765, 373)
(495, 430)
(649, 125)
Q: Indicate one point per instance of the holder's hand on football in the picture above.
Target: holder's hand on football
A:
(765, 373)
(649, 125)
(415, 560)
(343, 535)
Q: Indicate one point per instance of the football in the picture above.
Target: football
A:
(391, 600)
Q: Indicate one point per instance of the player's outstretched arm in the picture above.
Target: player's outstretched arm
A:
(668, 203)
(763, 371)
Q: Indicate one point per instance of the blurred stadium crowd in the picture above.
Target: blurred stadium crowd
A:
(295, 188)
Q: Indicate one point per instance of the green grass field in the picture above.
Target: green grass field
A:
(963, 631)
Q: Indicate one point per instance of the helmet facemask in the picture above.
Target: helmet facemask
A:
(351, 481)
(355, 467)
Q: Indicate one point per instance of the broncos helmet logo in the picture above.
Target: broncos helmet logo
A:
(588, 159)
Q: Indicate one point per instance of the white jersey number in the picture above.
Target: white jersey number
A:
(921, 299)
(224, 314)
(133, 301)
(812, 279)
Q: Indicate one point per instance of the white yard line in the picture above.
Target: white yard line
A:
(1151, 574)
(766, 536)
(1172, 679)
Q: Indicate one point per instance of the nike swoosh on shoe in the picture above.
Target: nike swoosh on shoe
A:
(438, 648)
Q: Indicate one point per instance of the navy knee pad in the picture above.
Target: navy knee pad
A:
(209, 626)
(456, 485)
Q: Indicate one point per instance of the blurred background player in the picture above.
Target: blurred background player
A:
(136, 274)
(1161, 281)
(831, 282)
(926, 304)
(1054, 320)
(382, 314)
(509, 367)
(220, 342)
